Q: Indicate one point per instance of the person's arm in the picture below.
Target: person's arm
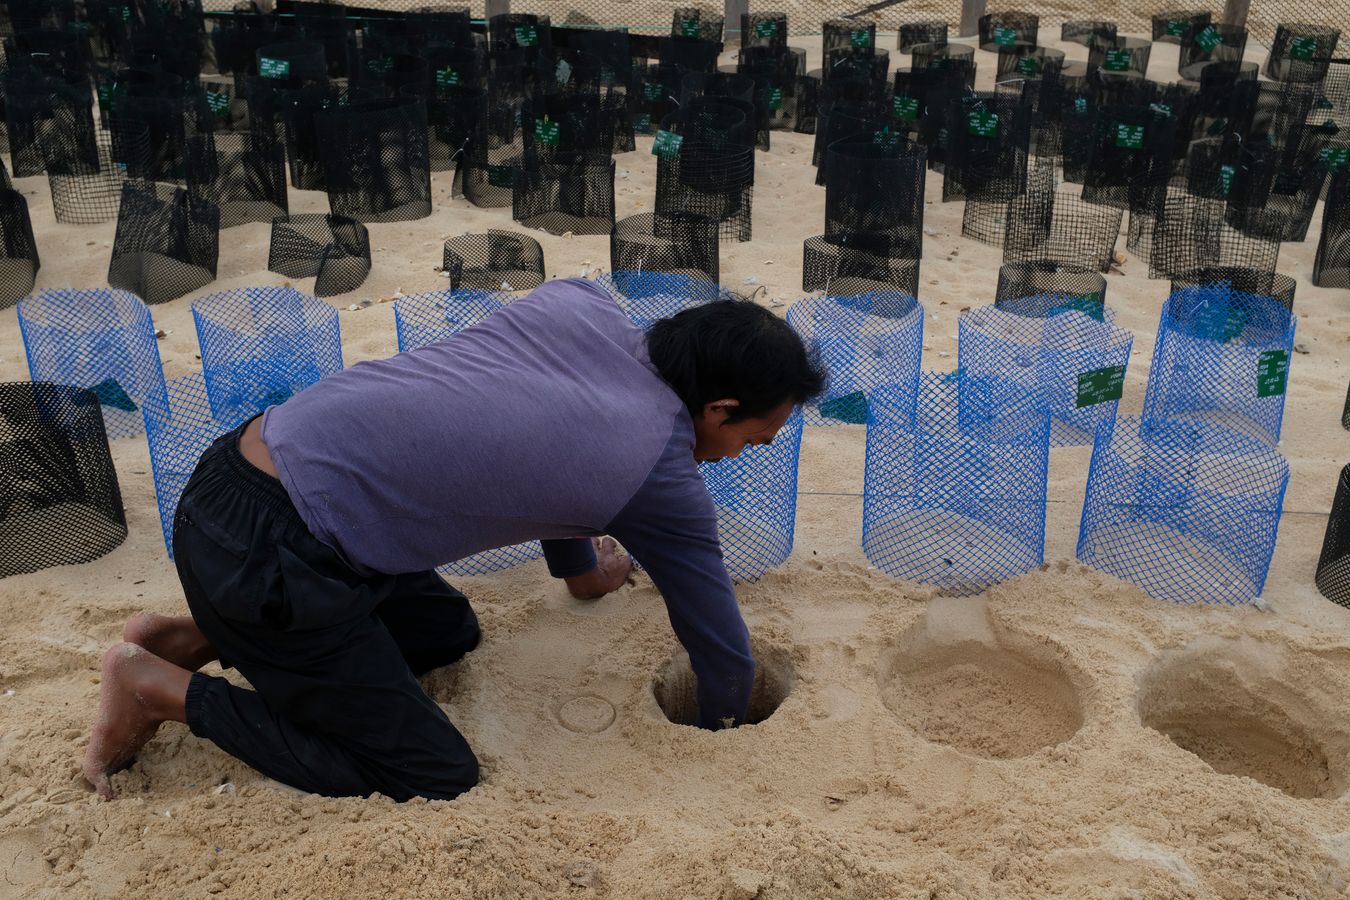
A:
(590, 567)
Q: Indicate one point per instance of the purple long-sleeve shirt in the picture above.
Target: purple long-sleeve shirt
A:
(547, 420)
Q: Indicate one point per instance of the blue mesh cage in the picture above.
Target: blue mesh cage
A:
(1188, 512)
(179, 427)
(432, 316)
(650, 296)
(494, 560)
(756, 498)
(954, 491)
(261, 345)
(1075, 362)
(103, 340)
(1221, 358)
(861, 349)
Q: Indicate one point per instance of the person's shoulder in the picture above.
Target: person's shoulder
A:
(569, 296)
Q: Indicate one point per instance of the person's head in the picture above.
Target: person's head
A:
(739, 369)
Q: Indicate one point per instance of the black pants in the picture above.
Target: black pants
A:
(333, 655)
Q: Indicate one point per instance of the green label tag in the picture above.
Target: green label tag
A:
(1118, 60)
(1029, 65)
(885, 138)
(104, 94)
(1100, 385)
(1005, 37)
(775, 98)
(1176, 28)
(1335, 158)
(1322, 102)
(380, 64)
(906, 108)
(643, 123)
(217, 103)
(1080, 104)
(110, 393)
(1302, 48)
(446, 77)
(652, 90)
(1129, 136)
(501, 176)
(690, 28)
(274, 68)
(982, 123)
(766, 28)
(126, 13)
(667, 144)
(1160, 110)
(1208, 39)
(851, 408)
(939, 64)
(527, 35)
(1272, 373)
(1088, 304)
(1226, 173)
(546, 132)
(861, 38)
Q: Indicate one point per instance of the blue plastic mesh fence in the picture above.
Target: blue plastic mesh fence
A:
(756, 498)
(261, 345)
(179, 427)
(955, 485)
(1188, 512)
(1075, 361)
(1221, 358)
(650, 296)
(103, 340)
(861, 350)
(431, 316)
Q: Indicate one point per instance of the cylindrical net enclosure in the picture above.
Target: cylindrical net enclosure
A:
(1003, 29)
(60, 503)
(1333, 566)
(692, 22)
(261, 345)
(31, 101)
(1301, 52)
(96, 339)
(242, 173)
(1074, 361)
(431, 316)
(764, 29)
(1054, 226)
(756, 498)
(713, 180)
(1039, 289)
(778, 84)
(647, 297)
(1331, 267)
(863, 65)
(1204, 44)
(1187, 512)
(1171, 25)
(376, 166)
(520, 31)
(1129, 157)
(911, 34)
(19, 261)
(568, 193)
(1028, 61)
(861, 351)
(944, 58)
(1186, 232)
(166, 243)
(876, 187)
(847, 34)
(689, 54)
(987, 150)
(1087, 31)
(496, 260)
(859, 263)
(1120, 54)
(333, 250)
(86, 166)
(1274, 194)
(955, 488)
(1274, 285)
(679, 243)
(292, 60)
(1221, 358)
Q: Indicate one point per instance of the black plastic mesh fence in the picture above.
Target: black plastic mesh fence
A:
(236, 40)
(166, 244)
(862, 263)
(847, 34)
(1028, 61)
(1039, 289)
(1273, 194)
(1130, 157)
(1049, 225)
(764, 29)
(376, 165)
(865, 64)
(985, 221)
(944, 58)
(1184, 232)
(19, 262)
(497, 260)
(30, 101)
(563, 125)
(1206, 43)
(910, 34)
(1087, 31)
(712, 180)
(60, 503)
(1301, 52)
(776, 96)
(1120, 54)
(86, 166)
(333, 250)
(876, 186)
(988, 143)
(1333, 566)
(690, 54)
(677, 243)
(846, 108)
(453, 114)
(573, 193)
(1250, 282)
(1002, 29)
(692, 22)
(1331, 268)
(242, 173)
(1170, 26)
(159, 101)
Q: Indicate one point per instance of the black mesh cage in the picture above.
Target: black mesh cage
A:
(521, 31)
(860, 263)
(332, 30)
(30, 103)
(1207, 43)
(1301, 52)
(1274, 193)
(376, 166)
(1172, 25)
(497, 260)
(876, 185)
(866, 64)
(19, 261)
(1048, 225)
(492, 155)
(1235, 279)
(218, 106)
(692, 22)
(911, 34)
(764, 29)
(159, 101)
(847, 34)
(1027, 61)
(988, 144)
(710, 179)
(689, 53)
(387, 72)
(292, 61)
(1003, 29)
(1184, 232)
(166, 242)
(1333, 566)
(678, 243)
(301, 108)
(563, 125)
(944, 58)
(776, 76)
(565, 193)
(1087, 31)
(63, 54)
(1120, 54)
(243, 174)
(60, 503)
(1130, 157)
(87, 166)
(1041, 288)
(1331, 268)
(985, 221)
(236, 40)
(333, 250)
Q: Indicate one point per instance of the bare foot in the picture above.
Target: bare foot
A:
(173, 638)
(136, 694)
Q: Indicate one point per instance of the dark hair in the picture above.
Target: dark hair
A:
(733, 348)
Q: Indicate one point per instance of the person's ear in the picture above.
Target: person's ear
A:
(718, 411)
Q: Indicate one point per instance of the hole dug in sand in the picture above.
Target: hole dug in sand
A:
(1228, 704)
(675, 687)
(957, 683)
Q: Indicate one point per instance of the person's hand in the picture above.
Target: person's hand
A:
(612, 571)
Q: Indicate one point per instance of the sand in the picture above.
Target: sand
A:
(1060, 735)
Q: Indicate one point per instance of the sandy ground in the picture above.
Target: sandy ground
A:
(1060, 736)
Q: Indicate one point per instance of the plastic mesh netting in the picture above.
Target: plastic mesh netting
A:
(1072, 359)
(1187, 512)
(854, 263)
(911, 33)
(1171, 25)
(1087, 31)
(166, 243)
(690, 21)
(987, 149)
(19, 262)
(861, 350)
(1001, 29)
(876, 186)
(60, 503)
(1185, 232)
(376, 166)
(655, 242)
(955, 487)
(1274, 285)
(1221, 358)
(431, 316)
(649, 296)
(1049, 225)
(494, 260)
(333, 250)
(86, 167)
(710, 179)
(1333, 566)
(96, 339)
(1331, 268)
(564, 194)
(1206, 43)
(756, 498)
(1301, 52)
(1046, 288)
(241, 173)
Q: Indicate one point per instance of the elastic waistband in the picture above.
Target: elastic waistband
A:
(223, 458)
